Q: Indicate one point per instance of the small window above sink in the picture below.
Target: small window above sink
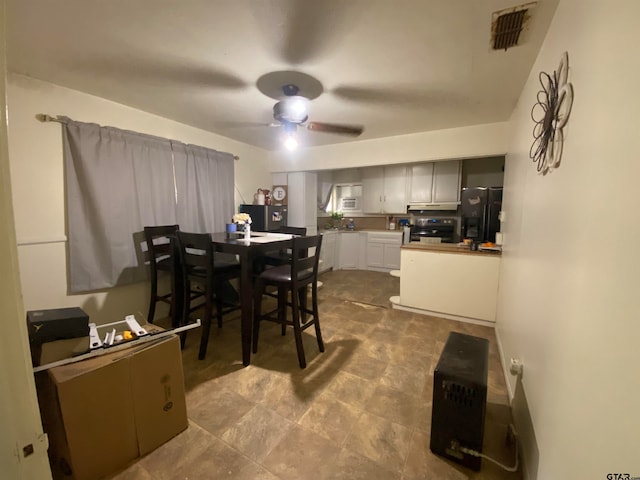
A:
(348, 197)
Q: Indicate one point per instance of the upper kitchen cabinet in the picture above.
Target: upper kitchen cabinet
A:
(384, 189)
(435, 183)
(483, 172)
(421, 183)
(446, 181)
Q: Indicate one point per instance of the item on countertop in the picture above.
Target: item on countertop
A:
(241, 218)
(231, 227)
(336, 217)
(267, 196)
(406, 234)
(351, 225)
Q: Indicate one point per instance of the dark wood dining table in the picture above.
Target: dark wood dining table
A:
(247, 252)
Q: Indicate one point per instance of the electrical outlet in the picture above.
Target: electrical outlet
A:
(516, 367)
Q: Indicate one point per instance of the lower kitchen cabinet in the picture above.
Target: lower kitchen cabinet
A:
(328, 251)
(352, 251)
(383, 250)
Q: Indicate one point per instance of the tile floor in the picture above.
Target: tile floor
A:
(360, 410)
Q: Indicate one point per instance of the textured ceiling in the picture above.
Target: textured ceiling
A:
(394, 67)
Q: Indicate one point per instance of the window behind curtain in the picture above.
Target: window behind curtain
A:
(118, 181)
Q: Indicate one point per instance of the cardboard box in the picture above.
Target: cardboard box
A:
(61, 349)
(104, 412)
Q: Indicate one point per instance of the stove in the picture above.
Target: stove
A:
(434, 227)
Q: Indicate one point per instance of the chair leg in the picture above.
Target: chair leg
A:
(302, 295)
(297, 331)
(153, 300)
(172, 305)
(219, 307)
(186, 306)
(282, 309)
(206, 326)
(316, 317)
(257, 313)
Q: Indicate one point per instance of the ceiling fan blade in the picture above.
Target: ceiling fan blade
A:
(349, 130)
(240, 124)
(408, 96)
(169, 72)
(299, 32)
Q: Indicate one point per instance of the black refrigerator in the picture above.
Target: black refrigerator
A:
(266, 218)
(480, 211)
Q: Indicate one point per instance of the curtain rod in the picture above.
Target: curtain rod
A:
(43, 117)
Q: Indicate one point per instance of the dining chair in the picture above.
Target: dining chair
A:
(160, 258)
(282, 256)
(200, 266)
(293, 278)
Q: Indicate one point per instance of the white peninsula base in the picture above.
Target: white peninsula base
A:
(449, 282)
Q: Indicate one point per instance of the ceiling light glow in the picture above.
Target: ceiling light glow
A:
(294, 109)
(290, 143)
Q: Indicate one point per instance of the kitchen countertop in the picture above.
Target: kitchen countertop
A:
(359, 230)
(448, 248)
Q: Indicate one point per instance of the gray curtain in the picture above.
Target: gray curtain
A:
(118, 181)
(204, 180)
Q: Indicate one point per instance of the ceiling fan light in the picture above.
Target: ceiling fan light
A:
(292, 109)
(290, 143)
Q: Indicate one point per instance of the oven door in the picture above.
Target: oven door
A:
(444, 234)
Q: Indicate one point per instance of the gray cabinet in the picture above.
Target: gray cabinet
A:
(435, 182)
(421, 183)
(384, 189)
(446, 181)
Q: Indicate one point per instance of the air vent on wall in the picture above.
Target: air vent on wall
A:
(507, 26)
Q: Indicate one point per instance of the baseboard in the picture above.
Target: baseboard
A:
(527, 444)
(505, 366)
(448, 316)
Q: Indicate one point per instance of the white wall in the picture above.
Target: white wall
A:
(19, 415)
(455, 143)
(35, 152)
(569, 281)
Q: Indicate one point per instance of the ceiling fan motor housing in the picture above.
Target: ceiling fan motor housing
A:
(292, 109)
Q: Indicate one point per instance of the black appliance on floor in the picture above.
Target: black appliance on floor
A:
(428, 227)
(266, 218)
(480, 209)
(459, 399)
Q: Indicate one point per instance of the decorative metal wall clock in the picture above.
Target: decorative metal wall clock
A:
(550, 114)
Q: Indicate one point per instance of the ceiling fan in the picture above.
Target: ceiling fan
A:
(292, 109)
